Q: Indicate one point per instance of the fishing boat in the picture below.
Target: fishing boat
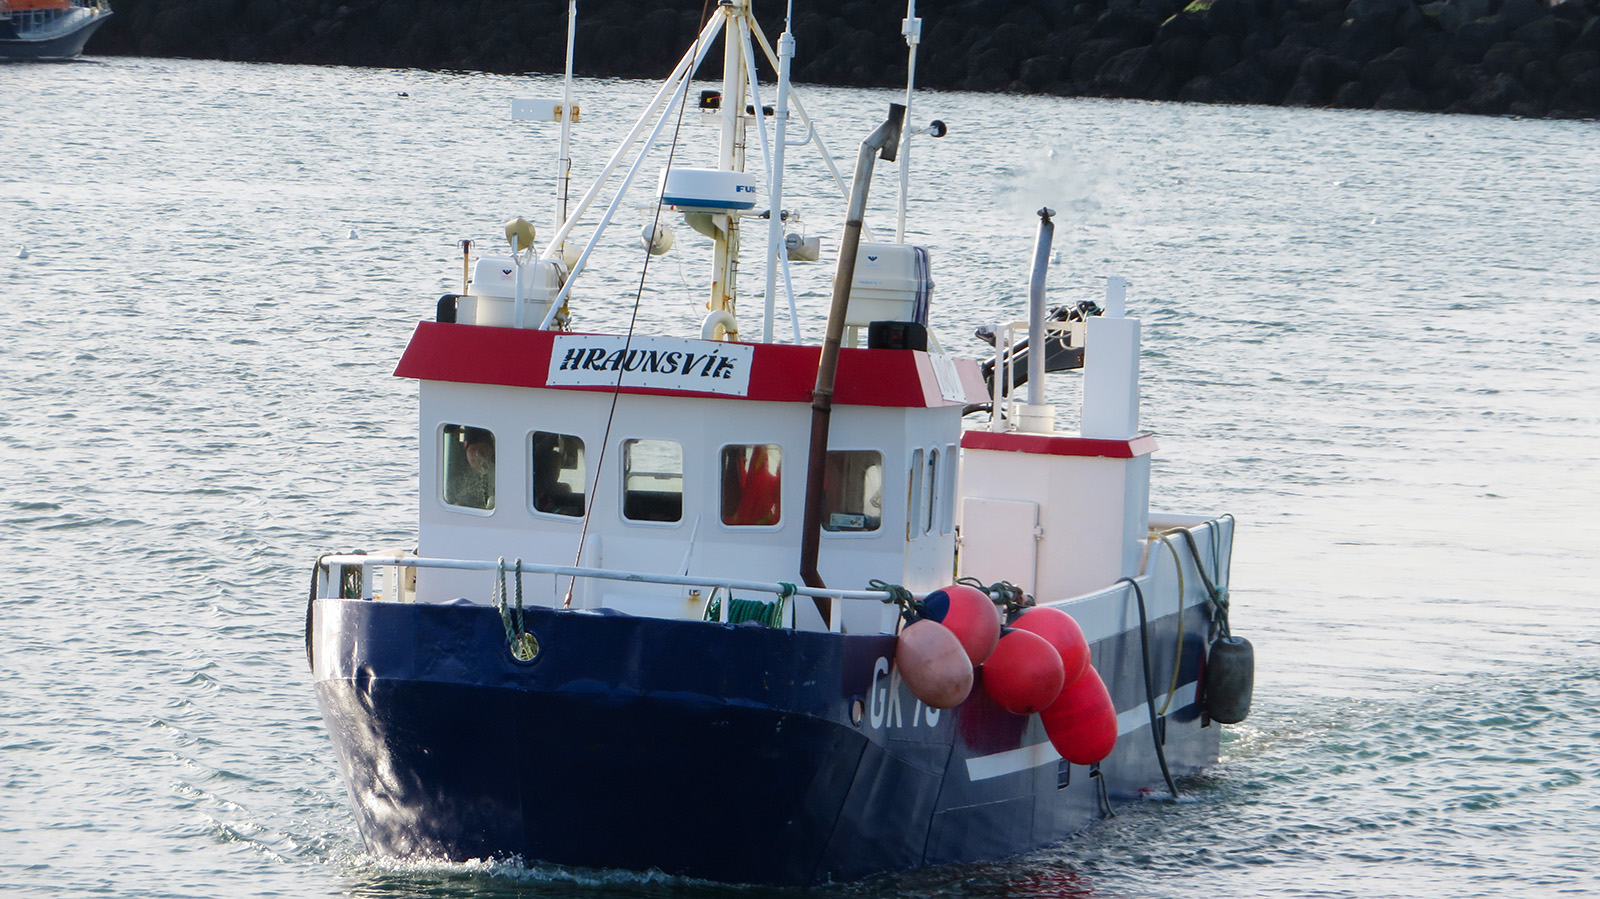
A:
(741, 607)
(48, 29)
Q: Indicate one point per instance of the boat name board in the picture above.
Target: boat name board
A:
(664, 363)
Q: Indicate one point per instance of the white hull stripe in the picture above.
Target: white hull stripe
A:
(1139, 716)
(1011, 761)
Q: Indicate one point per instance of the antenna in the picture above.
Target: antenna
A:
(911, 27)
(564, 165)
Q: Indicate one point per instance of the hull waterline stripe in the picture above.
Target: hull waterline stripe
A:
(1139, 716)
(1011, 761)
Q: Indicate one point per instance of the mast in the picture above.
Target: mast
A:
(730, 157)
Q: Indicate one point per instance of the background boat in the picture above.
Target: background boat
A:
(1394, 315)
(48, 29)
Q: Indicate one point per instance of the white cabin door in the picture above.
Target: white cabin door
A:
(999, 541)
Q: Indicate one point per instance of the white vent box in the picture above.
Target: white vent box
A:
(491, 300)
(893, 282)
(708, 190)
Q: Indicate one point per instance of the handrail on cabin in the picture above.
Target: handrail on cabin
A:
(326, 563)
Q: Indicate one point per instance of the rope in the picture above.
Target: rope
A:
(758, 610)
(1216, 596)
(523, 645)
(1100, 790)
(1008, 596)
(910, 608)
(1149, 689)
(769, 613)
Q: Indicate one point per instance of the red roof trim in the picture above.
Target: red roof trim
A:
(1047, 445)
(781, 373)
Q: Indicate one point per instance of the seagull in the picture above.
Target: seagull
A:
(22, 253)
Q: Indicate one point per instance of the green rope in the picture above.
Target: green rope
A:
(910, 608)
(1008, 596)
(1216, 595)
(524, 646)
(758, 610)
(761, 611)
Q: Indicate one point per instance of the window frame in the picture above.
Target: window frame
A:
(720, 463)
(863, 534)
(442, 447)
(624, 471)
(532, 485)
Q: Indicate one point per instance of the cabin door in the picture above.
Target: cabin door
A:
(999, 541)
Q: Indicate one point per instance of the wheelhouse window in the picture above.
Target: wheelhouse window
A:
(752, 485)
(915, 498)
(652, 480)
(853, 491)
(947, 504)
(557, 473)
(468, 456)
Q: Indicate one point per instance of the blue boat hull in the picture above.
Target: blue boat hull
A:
(731, 753)
(61, 46)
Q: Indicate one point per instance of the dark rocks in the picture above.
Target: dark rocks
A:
(1319, 78)
(1401, 98)
(1492, 57)
(1136, 73)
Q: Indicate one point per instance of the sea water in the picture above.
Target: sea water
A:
(1373, 337)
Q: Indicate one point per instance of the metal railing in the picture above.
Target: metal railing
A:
(1003, 394)
(330, 570)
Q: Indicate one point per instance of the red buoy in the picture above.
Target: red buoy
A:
(1082, 722)
(970, 614)
(1063, 633)
(933, 664)
(1023, 675)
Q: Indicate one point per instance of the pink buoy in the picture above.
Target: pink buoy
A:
(1024, 674)
(1063, 633)
(1082, 722)
(933, 664)
(970, 614)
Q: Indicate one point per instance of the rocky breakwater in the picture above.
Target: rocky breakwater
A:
(1517, 57)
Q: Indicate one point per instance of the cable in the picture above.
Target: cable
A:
(1149, 690)
(633, 319)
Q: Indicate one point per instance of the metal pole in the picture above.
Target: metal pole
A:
(1038, 343)
(884, 140)
(691, 60)
(564, 172)
(776, 254)
(912, 29)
